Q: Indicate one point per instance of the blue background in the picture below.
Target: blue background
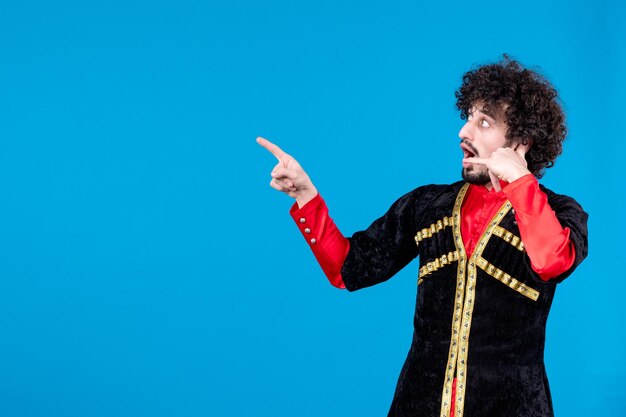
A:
(146, 266)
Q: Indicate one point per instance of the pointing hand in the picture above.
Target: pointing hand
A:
(288, 176)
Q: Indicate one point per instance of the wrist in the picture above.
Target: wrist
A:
(517, 175)
(520, 186)
(305, 197)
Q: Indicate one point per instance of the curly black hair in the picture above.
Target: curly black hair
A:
(531, 107)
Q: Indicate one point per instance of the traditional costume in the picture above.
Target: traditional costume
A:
(482, 302)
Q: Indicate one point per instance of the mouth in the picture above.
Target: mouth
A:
(468, 152)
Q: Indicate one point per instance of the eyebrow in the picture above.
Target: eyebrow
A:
(487, 113)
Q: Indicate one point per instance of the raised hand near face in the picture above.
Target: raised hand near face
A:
(506, 164)
(288, 176)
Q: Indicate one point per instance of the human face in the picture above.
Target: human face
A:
(482, 133)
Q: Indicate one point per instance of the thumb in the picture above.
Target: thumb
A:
(495, 181)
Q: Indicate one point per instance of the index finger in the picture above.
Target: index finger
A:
(476, 160)
(274, 149)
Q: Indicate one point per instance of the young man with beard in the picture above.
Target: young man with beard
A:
(492, 249)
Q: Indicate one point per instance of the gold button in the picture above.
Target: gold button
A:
(307, 230)
(313, 241)
(302, 220)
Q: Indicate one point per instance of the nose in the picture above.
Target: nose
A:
(465, 132)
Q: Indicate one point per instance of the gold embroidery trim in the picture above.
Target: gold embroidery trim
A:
(440, 262)
(509, 237)
(468, 308)
(506, 279)
(432, 229)
(458, 303)
(465, 293)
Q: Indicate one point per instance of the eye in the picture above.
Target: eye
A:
(484, 123)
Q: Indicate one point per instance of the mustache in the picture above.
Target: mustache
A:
(470, 146)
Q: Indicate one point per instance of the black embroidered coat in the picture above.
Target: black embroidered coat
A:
(479, 317)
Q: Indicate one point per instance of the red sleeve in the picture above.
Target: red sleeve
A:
(547, 243)
(329, 246)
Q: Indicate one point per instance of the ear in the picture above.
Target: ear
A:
(522, 148)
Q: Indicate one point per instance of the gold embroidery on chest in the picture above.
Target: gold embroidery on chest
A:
(506, 279)
(509, 237)
(438, 263)
(436, 227)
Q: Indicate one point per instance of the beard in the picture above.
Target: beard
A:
(476, 178)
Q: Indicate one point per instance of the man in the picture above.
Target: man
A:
(492, 249)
